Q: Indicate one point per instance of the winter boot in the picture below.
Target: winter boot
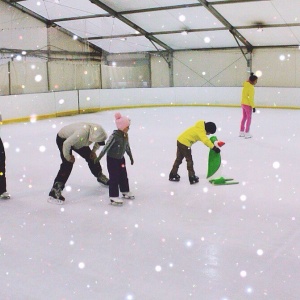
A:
(116, 201)
(174, 177)
(128, 195)
(55, 193)
(103, 179)
(5, 196)
(193, 179)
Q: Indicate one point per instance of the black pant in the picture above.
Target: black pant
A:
(117, 176)
(66, 166)
(183, 152)
(2, 169)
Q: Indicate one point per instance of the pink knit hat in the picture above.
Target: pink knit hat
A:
(121, 121)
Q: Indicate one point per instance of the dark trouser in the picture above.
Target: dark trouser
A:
(66, 166)
(117, 176)
(183, 152)
(2, 169)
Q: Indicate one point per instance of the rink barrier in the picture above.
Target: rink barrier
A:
(95, 110)
(31, 107)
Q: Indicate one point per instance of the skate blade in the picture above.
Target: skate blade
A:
(114, 203)
(5, 198)
(175, 180)
(194, 182)
(55, 201)
(128, 198)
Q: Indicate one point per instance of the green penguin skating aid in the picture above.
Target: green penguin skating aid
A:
(214, 159)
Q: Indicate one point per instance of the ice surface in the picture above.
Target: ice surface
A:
(175, 240)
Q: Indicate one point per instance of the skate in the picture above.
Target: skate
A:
(5, 196)
(193, 179)
(174, 177)
(242, 134)
(116, 201)
(248, 135)
(128, 196)
(55, 196)
(103, 179)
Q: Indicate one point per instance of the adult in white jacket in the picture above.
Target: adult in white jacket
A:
(77, 137)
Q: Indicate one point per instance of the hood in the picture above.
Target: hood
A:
(246, 83)
(97, 133)
(200, 124)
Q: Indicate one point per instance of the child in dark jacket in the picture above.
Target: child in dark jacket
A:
(115, 148)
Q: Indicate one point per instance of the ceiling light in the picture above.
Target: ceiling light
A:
(258, 73)
(181, 18)
(207, 40)
(282, 57)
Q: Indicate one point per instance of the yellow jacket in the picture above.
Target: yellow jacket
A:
(194, 134)
(248, 94)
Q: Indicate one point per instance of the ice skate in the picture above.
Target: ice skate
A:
(193, 179)
(174, 177)
(248, 135)
(103, 179)
(55, 195)
(116, 201)
(242, 134)
(5, 196)
(128, 195)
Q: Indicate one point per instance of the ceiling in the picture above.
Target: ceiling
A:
(126, 26)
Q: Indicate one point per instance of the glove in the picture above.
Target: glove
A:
(72, 159)
(216, 149)
(132, 161)
(93, 156)
(253, 109)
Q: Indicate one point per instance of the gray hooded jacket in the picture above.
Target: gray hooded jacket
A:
(117, 145)
(79, 135)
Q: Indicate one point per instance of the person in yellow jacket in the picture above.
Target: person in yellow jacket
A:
(248, 106)
(185, 140)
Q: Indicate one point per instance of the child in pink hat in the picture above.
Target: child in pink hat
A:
(115, 148)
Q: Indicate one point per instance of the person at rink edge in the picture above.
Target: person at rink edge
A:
(4, 195)
(185, 140)
(248, 106)
(77, 137)
(116, 146)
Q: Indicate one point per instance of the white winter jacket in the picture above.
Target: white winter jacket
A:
(80, 135)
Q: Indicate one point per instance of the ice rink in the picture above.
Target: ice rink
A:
(175, 240)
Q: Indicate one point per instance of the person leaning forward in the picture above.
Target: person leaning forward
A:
(77, 137)
(185, 140)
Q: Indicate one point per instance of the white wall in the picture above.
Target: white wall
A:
(62, 103)
(38, 105)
